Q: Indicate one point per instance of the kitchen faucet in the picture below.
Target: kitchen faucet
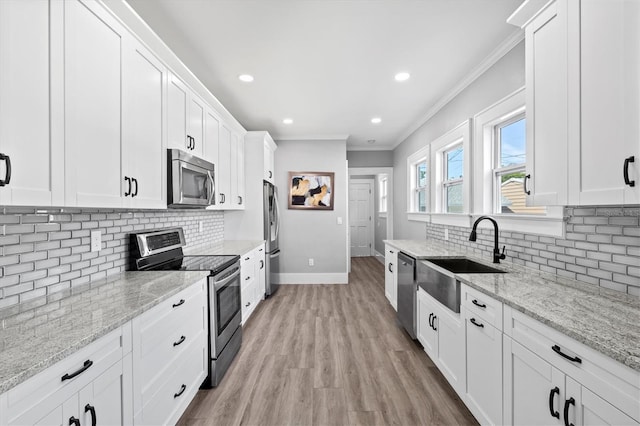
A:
(496, 250)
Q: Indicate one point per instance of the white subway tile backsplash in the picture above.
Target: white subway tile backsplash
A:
(45, 250)
(601, 246)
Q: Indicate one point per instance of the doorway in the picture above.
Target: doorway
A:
(361, 217)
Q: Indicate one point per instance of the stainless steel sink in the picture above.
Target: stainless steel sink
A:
(465, 266)
(437, 277)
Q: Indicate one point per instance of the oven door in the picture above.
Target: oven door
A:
(190, 184)
(224, 307)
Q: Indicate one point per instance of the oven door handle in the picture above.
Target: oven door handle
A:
(222, 283)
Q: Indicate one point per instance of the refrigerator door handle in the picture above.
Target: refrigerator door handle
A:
(276, 214)
(276, 253)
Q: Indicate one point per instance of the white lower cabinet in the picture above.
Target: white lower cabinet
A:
(169, 356)
(391, 275)
(88, 386)
(441, 332)
(252, 277)
(550, 378)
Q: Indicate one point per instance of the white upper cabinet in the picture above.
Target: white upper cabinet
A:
(546, 80)
(93, 54)
(32, 166)
(604, 100)
(144, 154)
(269, 159)
(224, 169)
(237, 171)
(186, 117)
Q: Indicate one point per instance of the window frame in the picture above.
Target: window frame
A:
(498, 170)
(418, 157)
(485, 200)
(383, 198)
(446, 182)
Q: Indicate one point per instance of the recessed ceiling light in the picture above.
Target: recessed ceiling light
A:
(371, 141)
(376, 120)
(402, 76)
(246, 78)
(288, 121)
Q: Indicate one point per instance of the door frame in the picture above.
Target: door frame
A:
(372, 213)
(358, 171)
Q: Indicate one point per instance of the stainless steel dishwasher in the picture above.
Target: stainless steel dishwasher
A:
(407, 293)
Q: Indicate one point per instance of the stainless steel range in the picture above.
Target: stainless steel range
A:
(161, 250)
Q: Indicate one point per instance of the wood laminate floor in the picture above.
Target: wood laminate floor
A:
(329, 355)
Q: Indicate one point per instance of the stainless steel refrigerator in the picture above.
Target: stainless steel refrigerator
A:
(271, 230)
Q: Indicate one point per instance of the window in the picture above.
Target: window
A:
(453, 162)
(382, 191)
(509, 146)
(418, 182)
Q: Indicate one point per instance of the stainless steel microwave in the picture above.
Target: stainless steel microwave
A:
(190, 181)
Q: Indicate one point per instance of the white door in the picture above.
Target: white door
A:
(92, 114)
(360, 217)
(36, 172)
(101, 400)
(196, 124)
(144, 150)
(177, 114)
(211, 139)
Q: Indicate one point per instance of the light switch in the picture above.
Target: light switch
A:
(339, 220)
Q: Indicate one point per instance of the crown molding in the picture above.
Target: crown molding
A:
(504, 48)
(311, 138)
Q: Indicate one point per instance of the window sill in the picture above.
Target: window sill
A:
(418, 217)
(551, 226)
(453, 219)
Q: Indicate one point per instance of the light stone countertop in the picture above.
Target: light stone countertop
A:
(602, 319)
(37, 334)
(235, 247)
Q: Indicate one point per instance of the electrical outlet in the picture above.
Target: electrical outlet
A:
(446, 234)
(311, 262)
(200, 227)
(96, 240)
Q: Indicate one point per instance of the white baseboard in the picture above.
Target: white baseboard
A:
(318, 278)
(379, 256)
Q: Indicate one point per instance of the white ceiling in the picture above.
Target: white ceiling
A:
(330, 64)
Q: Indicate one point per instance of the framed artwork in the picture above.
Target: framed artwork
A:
(311, 190)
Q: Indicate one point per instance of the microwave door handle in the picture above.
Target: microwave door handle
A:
(213, 187)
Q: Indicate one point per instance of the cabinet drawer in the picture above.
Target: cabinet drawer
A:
(615, 382)
(158, 354)
(247, 267)
(164, 403)
(47, 390)
(480, 305)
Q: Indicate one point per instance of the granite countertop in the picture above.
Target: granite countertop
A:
(235, 247)
(603, 319)
(37, 334)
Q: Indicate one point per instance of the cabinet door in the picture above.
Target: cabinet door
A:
(178, 98)
(451, 346)
(211, 140)
(101, 401)
(93, 85)
(237, 172)
(196, 124)
(260, 273)
(224, 169)
(427, 331)
(268, 162)
(390, 275)
(533, 389)
(546, 78)
(607, 68)
(26, 130)
(595, 411)
(144, 149)
(484, 370)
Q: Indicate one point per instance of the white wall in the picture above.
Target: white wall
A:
(503, 78)
(313, 234)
